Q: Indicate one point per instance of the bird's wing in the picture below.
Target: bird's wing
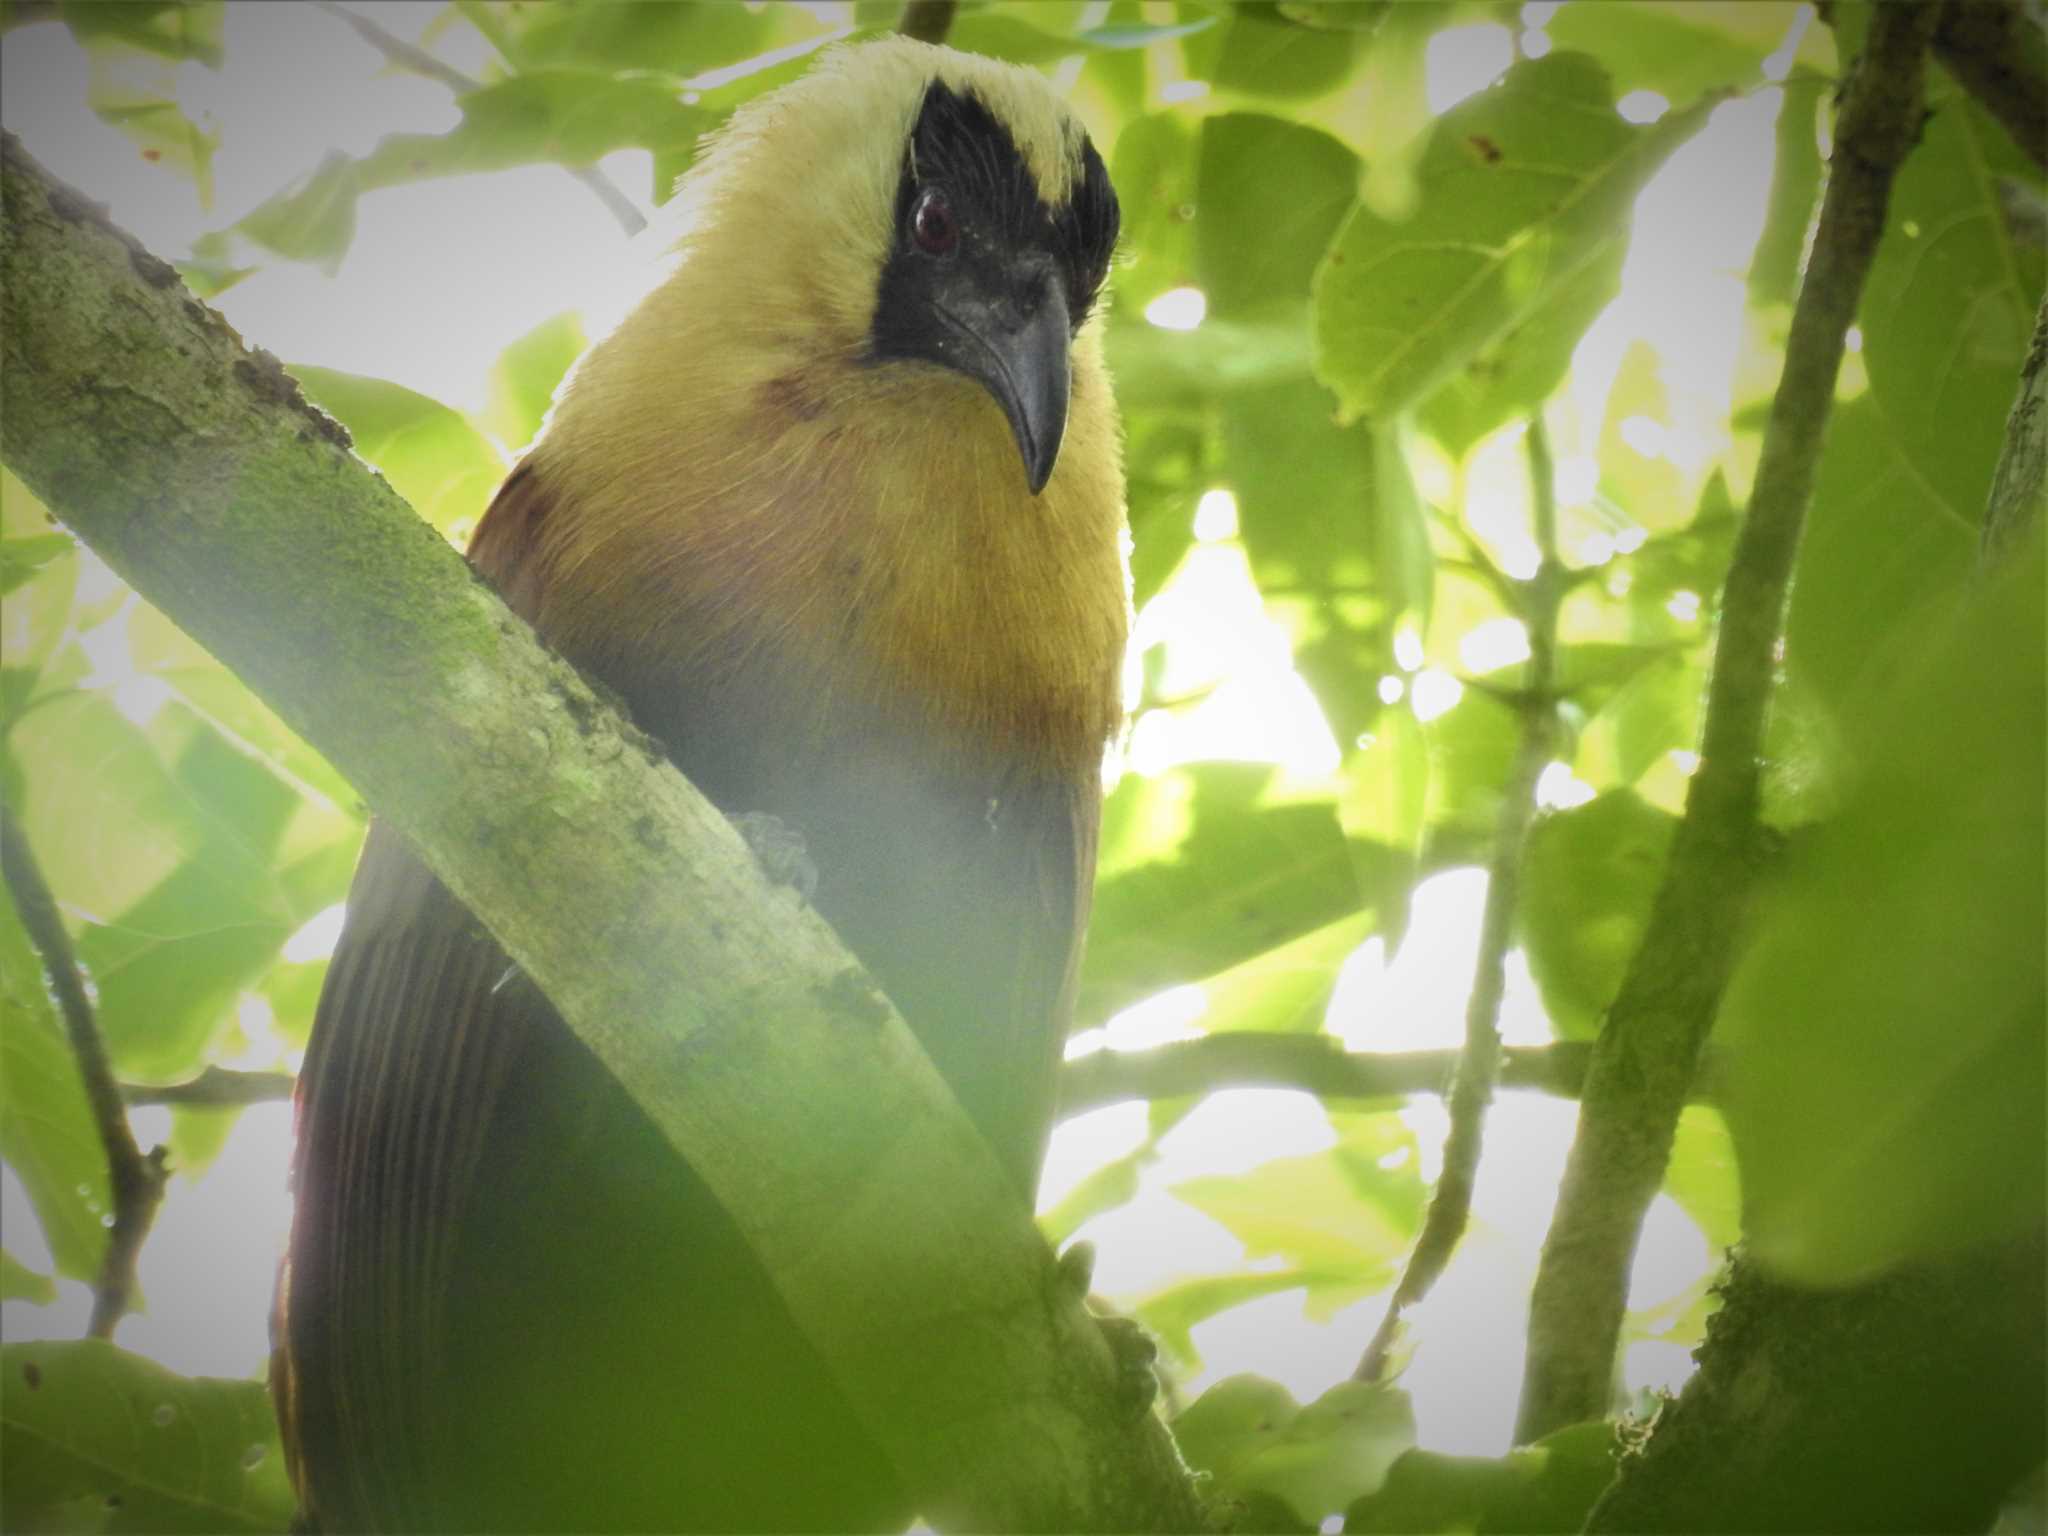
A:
(507, 1304)
(416, 1030)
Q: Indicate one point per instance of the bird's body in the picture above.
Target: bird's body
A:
(782, 513)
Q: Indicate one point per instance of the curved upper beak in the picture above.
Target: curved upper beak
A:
(1021, 359)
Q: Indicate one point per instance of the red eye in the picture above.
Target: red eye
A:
(932, 224)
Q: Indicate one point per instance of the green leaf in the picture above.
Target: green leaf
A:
(526, 376)
(1291, 184)
(312, 220)
(571, 116)
(1114, 1184)
(1655, 713)
(197, 1137)
(158, 127)
(999, 35)
(1245, 878)
(1338, 1215)
(1681, 51)
(1386, 783)
(1286, 990)
(615, 36)
(1884, 1038)
(158, 1452)
(429, 452)
(1250, 1436)
(1702, 1175)
(20, 559)
(170, 966)
(1549, 1486)
(1589, 876)
(1338, 15)
(1165, 458)
(1471, 747)
(211, 268)
(1334, 534)
(1511, 376)
(170, 29)
(47, 1135)
(1795, 191)
(1523, 187)
(39, 578)
(1154, 167)
(1950, 302)
(105, 817)
(1259, 52)
(1880, 544)
(1140, 35)
(20, 1283)
(1173, 1313)
(1157, 368)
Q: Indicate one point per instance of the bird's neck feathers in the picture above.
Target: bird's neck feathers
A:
(741, 486)
(732, 499)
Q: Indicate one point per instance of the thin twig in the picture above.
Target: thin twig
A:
(1450, 1206)
(415, 58)
(135, 1181)
(1649, 1047)
(1315, 1064)
(1996, 54)
(928, 20)
(215, 1088)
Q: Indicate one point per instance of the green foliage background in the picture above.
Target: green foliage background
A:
(1391, 294)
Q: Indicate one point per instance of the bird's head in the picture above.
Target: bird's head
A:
(908, 207)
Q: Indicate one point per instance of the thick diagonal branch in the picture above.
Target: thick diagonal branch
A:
(754, 1043)
(1649, 1046)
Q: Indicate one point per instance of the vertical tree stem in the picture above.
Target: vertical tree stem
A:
(136, 1181)
(1649, 1046)
(1450, 1207)
(928, 20)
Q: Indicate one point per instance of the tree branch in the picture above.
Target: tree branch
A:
(1936, 1364)
(135, 1181)
(928, 20)
(1450, 1205)
(755, 1042)
(215, 1088)
(1649, 1046)
(415, 58)
(1996, 53)
(1237, 1059)
(1315, 1064)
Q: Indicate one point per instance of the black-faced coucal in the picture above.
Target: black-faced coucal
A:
(838, 513)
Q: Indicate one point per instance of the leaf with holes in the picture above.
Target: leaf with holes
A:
(1524, 187)
(144, 1449)
(429, 452)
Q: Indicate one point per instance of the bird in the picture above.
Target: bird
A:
(837, 514)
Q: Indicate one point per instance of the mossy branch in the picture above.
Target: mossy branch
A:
(196, 470)
(1649, 1047)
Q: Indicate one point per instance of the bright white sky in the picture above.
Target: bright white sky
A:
(418, 304)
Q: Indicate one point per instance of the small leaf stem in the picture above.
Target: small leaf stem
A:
(136, 1180)
(415, 58)
(1479, 1063)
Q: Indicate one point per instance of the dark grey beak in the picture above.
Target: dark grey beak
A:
(1021, 359)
